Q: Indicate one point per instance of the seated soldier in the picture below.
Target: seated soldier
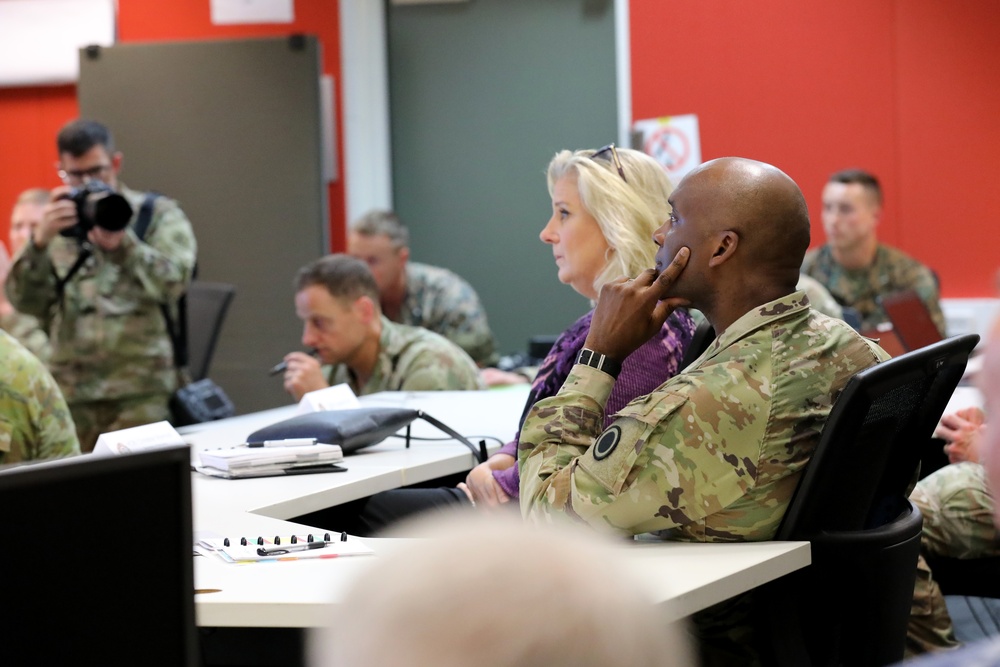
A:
(853, 265)
(338, 300)
(34, 420)
(987, 651)
(715, 453)
(26, 215)
(957, 506)
(418, 294)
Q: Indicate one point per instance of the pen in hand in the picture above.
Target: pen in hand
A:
(283, 366)
(278, 551)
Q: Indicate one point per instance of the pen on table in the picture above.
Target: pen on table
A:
(287, 442)
(277, 551)
(283, 366)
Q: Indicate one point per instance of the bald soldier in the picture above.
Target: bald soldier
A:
(714, 454)
(337, 300)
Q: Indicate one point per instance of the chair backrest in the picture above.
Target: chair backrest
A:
(207, 304)
(703, 336)
(850, 607)
(869, 445)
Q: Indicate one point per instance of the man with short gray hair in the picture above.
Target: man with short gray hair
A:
(418, 294)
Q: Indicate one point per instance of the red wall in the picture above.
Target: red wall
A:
(31, 117)
(905, 88)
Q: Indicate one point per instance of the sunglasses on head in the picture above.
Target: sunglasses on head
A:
(610, 153)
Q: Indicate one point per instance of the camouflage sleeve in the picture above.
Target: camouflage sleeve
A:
(657, 466)
(56, 432)
(163, 263)
(440, 370)
(35, 422)
(958, 512)
(462, 320)
(474, 336)
(31, 283)
(28, 331)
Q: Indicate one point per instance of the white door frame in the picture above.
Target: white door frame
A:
(365, 94)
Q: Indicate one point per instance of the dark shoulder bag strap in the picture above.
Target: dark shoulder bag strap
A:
(177, 331)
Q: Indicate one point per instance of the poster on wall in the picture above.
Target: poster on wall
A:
(233, 12)
(673, 140)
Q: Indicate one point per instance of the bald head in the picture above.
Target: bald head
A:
(747, 226)
(765, 207)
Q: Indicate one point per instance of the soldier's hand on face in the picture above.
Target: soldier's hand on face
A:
(58, 214)
(963, 431)
(630, 311)
(303, 374)
(104, 239)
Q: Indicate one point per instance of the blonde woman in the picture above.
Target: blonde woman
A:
(606, 204)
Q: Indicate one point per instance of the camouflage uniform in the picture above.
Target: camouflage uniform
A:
(892, 271)
(819, 297)
(27, 330)
(443, 302)
(111, 353)
(958, 523)
(34, 419)
(412, 359)
(714, 454)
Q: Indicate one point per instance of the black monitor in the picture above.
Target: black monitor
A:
(96, 562)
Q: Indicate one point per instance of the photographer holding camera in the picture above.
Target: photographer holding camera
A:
(101, 282)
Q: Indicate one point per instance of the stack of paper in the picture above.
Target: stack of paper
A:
(246, 461)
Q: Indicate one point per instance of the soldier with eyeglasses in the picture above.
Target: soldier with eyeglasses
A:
(101, 291)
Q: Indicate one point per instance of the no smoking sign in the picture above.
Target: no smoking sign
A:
(673, 141)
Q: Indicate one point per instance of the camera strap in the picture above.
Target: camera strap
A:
(85, 253)
(176, 330)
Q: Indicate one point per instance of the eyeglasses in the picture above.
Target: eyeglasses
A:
(610, 148)
(70, 176)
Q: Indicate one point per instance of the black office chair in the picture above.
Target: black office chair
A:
(851, 605)
(703, 336)
(207, 304)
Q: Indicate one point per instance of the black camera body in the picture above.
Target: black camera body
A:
(97, 205)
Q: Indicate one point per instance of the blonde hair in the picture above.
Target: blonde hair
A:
(627, 212)
(37, 196)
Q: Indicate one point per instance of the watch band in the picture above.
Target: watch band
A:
(599, 361)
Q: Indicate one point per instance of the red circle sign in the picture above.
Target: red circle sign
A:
(669, 146)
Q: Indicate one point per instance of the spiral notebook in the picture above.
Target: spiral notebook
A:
(247, 549)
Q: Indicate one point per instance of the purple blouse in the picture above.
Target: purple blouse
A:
(644, 370)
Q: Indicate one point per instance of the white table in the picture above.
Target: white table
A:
(301, 594)
(684, 578)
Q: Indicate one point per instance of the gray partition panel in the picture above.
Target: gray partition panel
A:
(231, 129)
(482, 96)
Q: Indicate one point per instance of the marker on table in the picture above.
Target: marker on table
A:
(278, 551)
(283, 366)
(287, 442)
